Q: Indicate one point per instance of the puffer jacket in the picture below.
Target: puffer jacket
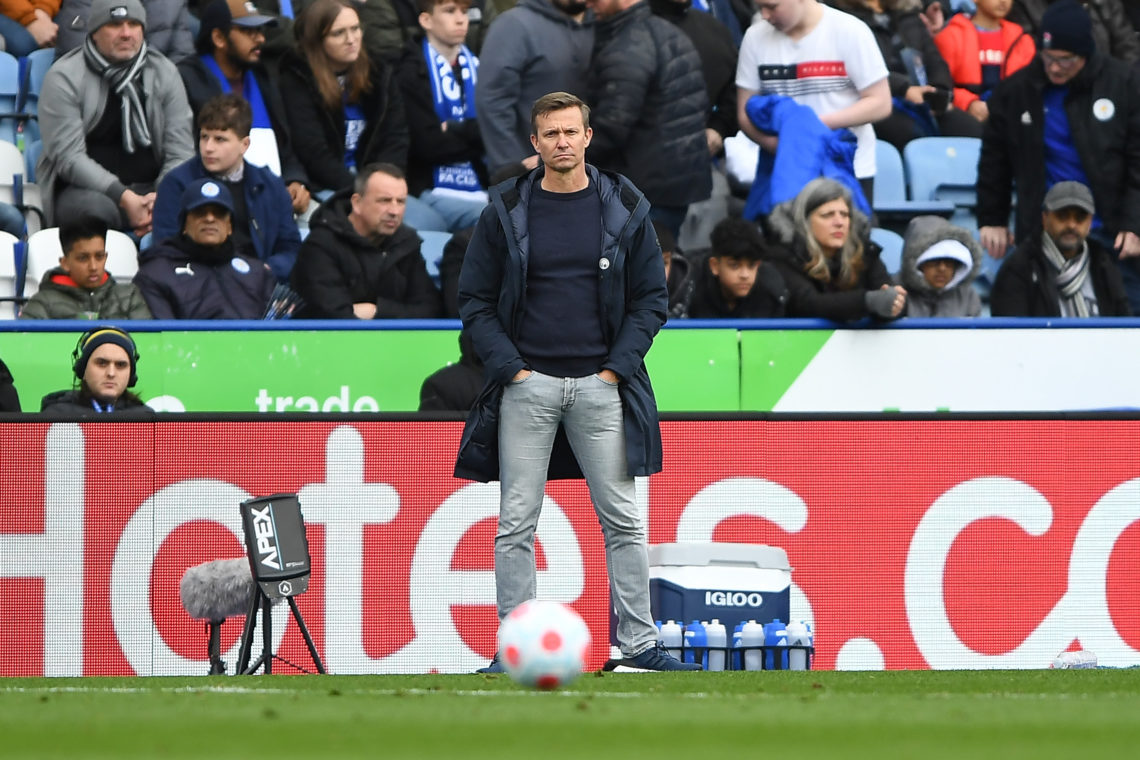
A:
(167, 27)
(336, 268)
(1112, 30)
(177, 286)
(649, 107)
(74, 403)
(59, 297)
(958, 42)
(958, 298)
(633, 303)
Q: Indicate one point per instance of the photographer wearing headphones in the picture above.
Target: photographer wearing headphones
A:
(105, 363)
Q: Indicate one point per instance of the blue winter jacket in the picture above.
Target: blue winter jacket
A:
(275, 237)
(634, 303)
(807, 150)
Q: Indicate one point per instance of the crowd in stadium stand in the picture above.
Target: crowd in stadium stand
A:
(336, 141)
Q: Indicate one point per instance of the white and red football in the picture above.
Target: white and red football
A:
(543, 644)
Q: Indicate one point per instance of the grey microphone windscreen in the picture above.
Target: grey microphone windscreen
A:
(217, 590)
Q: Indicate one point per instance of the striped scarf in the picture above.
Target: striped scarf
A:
(124, 81)
(1071, 275)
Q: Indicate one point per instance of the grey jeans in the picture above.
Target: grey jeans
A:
(590, 411)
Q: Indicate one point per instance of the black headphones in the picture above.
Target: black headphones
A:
(100, 335)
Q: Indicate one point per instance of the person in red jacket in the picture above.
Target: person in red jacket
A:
(981, 50)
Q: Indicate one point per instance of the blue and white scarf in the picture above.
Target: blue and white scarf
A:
(453, 103)
(249, 90)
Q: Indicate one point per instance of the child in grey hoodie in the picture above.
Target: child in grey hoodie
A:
(939, 263)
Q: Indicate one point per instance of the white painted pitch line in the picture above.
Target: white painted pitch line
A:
(214, 689)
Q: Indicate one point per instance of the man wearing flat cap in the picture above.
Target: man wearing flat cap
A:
(114, 119)
(199, 274)
(229, 60)
(1060, 271)
(1073, 114)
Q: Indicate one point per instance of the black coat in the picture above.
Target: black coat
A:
(1013, 145)
(717, 50)
(455, 387)
(176, 284)
(432, 146)
(1026, 284)
(319, 132)
(336, 268)
(649, 107)
(9, 398)
(201, 85)
(633, 302)
(70, 404)
(767, 299)
(808, 297)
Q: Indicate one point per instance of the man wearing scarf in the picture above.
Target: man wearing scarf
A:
(1061, 271)
(198, 274)
(114, 120)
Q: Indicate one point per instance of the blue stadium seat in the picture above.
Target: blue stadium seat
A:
(945, 169)
(890, 201)
(9, 97)
(36, 66)
(892, 245)
(432, 250)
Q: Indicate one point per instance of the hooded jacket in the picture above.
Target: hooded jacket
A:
(649, 107)
(1103, 108)
(958, 298)
(808, 297)
(633, 299)
(179, 283)
(59, 297)
(318, 132)
(530, 50)
(1026, 284)
(337, 268)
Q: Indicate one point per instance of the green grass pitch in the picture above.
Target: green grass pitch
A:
(766, 715)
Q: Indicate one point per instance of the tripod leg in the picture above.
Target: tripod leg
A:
(308, 638)
(267, 634)
(247, 631)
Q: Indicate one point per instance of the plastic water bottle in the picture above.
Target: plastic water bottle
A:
(799, 635)
(695, 639)
(751, 639)
(672, 637)
(1075, 660)
(776, 635)
(717, 638)
(737, 654)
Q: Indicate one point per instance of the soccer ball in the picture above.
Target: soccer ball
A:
(543, 644)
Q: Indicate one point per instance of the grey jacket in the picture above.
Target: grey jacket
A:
(530, 50)
(167, 27)
(71, 104)
(958, 298)
(59, 298)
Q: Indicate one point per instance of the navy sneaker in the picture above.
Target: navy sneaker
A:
(495, 667)
(658, 658)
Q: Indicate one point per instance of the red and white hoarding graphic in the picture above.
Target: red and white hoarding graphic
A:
(916, 544)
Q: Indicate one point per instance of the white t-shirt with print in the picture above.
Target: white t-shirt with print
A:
(825, 70)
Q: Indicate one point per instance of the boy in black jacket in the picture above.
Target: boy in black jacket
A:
(734, 282)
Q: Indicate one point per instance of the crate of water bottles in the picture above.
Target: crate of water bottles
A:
(752, 645)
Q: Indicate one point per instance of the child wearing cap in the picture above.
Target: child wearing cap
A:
(939, 264)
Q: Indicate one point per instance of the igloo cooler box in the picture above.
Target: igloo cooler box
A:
(733, 583)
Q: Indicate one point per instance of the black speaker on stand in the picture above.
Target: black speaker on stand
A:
(279, 561)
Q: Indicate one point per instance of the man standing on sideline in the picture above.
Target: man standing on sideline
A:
(562, 326)
(1073, 114)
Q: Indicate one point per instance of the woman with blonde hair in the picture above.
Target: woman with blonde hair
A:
(824, 252)
(345, 110)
